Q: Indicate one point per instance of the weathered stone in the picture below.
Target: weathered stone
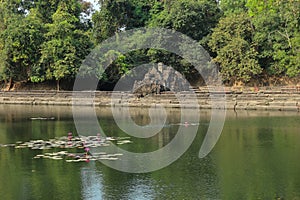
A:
(242, 101)
(290, 103)
(159, 80)
(276, 103)
(290, 108)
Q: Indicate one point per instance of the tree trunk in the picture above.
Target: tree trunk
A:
(8, 86)
(57, 85)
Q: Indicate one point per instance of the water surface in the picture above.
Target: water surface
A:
(256, 157)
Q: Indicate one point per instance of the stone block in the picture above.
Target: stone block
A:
(276, 103)
(290, 103)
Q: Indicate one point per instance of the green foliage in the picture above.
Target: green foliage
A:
(140, 13)
(236, 6)
(192, 17)
(8, 10)
(271, 42)
(117, 15)
(41, 40)
(48, 39)
(236, 53)
(277, 34)
(110, 19)
(119, 66)
(65, 47)
(48, 7)
(23, 38)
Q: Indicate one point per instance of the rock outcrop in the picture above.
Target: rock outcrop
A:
(158, 80)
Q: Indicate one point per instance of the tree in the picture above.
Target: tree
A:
(195, 18)
(8, 10)
(117, 15)
(110, 19)
(37, 43)
(140, 13)
(236, 52)
(277, 29)
(65, 48)
(48, 7)
(22, 37)
(236, 6)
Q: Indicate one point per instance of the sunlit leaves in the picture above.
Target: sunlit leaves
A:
(23, 38)
(193, 18)
(236, 54)
(65, 48)
(276, 25)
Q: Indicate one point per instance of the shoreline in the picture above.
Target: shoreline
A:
(279, 99)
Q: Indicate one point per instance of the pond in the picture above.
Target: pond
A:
(256, 157)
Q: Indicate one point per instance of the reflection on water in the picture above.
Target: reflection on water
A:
(257, 157)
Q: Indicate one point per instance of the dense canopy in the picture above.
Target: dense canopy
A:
(46, 40)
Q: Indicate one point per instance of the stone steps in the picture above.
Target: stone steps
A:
(271, 100)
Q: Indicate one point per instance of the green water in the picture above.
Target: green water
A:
(256, 157)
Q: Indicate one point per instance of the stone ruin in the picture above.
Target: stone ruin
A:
(160, 79)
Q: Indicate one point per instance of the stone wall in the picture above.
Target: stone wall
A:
(279, 99)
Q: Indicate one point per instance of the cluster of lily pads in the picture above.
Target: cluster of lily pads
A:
(78, 157)
(73, 142)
